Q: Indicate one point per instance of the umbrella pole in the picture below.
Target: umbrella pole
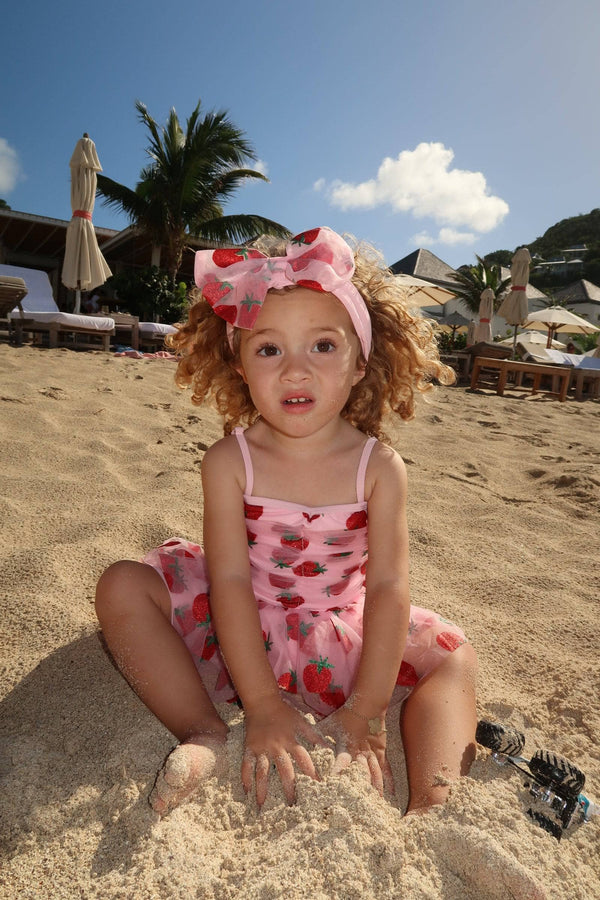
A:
(77, 301)
(514, 353)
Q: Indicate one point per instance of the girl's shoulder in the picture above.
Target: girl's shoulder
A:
(223, 461)
(386, 469)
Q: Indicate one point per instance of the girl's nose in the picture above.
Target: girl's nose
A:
(295, 367)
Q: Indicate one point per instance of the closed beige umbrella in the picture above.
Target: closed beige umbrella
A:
(483, 329)
(514, 307)
(84, 267)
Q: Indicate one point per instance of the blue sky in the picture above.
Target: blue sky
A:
(462, 127)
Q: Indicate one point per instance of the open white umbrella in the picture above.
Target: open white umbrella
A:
(558, 319)
(452, 324)
(483, 329)
(421, 292)
(84, 267)
(532, 339)
(514, 306)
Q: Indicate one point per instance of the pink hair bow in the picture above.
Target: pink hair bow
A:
(235, 281)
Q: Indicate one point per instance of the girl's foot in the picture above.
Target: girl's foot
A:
(184, 770)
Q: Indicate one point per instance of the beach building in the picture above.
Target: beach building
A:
(38, 242)
(583, 298)
(568, 262)
(425, 264)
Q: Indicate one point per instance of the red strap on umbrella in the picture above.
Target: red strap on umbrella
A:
(82, 214)
(484, 320)
(515, 288)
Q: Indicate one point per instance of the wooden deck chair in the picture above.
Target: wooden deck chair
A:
(38, 313)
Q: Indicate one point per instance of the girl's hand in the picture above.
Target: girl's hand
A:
(271, 738)
(354, 742)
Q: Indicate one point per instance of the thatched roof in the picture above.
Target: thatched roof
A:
(425, 264)
(579, 292)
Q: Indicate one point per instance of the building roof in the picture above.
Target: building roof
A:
(38, 242)
(581, 291)
(531, 292)
(425, 264)
(26, 239)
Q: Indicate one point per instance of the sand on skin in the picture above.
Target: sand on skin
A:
(101, 457)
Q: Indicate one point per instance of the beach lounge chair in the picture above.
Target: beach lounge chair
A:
(152, 334)
(12, 291)
(38, 313)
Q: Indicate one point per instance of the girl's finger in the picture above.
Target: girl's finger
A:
(375, 771)
(248, 766)
(363, 762)
(305, 763)
(285, 768)
(261, 778)
(388, 777)
(341, 762)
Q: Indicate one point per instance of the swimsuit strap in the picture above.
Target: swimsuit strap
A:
(362, 469)
(360, 473)
(245, 450)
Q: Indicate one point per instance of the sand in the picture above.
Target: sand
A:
(101, 460)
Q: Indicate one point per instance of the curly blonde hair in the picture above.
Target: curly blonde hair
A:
(404, 358)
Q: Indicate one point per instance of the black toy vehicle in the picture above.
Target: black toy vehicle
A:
(553, 782)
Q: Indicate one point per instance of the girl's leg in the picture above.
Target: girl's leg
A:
(134, 610)
(438, 724)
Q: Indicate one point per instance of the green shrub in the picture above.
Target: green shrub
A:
(149, 294)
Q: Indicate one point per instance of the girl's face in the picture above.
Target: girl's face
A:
(301, 360)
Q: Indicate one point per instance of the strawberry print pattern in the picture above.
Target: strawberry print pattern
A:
(235, 281)
(308, 574)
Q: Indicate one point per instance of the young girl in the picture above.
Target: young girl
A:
(281, 610)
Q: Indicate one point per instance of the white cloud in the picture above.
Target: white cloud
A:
(423, 239)
(422, 182)
(447, 236)
(261, 166)
(452, 236)
(10, 168)
(319, 184)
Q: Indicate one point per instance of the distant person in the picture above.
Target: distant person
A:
(571, 348)
(309, 349)
(92, 305)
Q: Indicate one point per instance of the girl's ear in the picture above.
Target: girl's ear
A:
(360, 371)
(240, 370)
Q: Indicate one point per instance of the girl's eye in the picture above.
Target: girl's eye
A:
(268, 350)
(324, 346)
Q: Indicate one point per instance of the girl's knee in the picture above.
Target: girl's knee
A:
(125, 584)
(463, 663)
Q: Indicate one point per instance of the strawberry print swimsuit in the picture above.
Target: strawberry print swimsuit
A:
(308, 570)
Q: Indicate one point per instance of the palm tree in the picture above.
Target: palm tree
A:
(474, 279)
(181, 191)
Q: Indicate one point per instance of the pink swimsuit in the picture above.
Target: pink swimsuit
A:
(308, 570)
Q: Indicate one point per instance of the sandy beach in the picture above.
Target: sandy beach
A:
(101, 458)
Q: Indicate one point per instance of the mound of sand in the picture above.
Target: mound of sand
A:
(101, 456)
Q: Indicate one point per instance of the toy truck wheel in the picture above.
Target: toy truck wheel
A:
(498, 738)
(557, 772)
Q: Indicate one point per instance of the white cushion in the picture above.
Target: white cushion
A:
(39, 290)
(574, 359)
(67, 320)
(156, 328)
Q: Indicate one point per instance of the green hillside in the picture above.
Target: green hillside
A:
(576, 230)
(584, 229)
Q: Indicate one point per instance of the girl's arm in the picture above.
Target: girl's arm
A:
(272, 726)
(385, 621)
(387, 602)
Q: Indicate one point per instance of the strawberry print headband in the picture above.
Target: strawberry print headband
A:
(235, 281)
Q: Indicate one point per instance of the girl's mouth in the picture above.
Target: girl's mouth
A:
(298, 404)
